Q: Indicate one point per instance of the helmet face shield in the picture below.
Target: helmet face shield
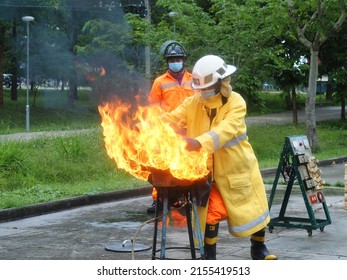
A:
(208, 70)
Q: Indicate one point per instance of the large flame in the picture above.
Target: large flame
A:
(141, 142)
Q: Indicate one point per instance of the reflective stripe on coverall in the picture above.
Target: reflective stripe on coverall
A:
(235, 168)
(168, 93)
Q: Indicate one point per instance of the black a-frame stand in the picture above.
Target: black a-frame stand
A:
(298, 164)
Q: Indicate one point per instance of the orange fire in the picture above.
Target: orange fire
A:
(141, 142)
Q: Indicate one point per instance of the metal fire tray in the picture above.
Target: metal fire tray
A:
(163, 178)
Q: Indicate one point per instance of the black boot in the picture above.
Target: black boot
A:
(210, 251)
(151, 208)
(260, 252)
(258, 248)
(210, 240)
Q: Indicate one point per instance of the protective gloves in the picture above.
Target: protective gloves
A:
(192, 144)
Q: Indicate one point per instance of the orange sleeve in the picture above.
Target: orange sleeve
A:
(155, 95)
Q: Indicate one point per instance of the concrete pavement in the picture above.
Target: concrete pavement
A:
(84, 233)
(322, 114)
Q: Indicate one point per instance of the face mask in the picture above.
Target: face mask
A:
(175, 66)
(206, 94)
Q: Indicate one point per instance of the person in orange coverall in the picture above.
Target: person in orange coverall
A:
(170, 89)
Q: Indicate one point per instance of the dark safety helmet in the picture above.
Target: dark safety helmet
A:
(173, 49)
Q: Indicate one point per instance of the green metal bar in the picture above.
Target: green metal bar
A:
(278, 173)
(286, 198)
(295, 222)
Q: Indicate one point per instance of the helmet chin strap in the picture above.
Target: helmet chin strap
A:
(218, 86)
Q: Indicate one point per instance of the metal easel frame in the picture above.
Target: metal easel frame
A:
(282, 220)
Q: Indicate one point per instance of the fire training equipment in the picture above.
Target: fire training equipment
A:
(297, 163)
(126, 246)
(167, 186)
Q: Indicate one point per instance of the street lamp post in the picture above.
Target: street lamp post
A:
(27, 19)
(173, 15)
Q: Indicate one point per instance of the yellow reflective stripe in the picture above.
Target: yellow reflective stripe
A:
(258, 238)
(210, 241)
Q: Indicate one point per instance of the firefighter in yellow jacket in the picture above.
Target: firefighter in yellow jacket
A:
(170, 89)
(215, 121)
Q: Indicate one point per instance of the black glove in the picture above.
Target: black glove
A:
(192, 144)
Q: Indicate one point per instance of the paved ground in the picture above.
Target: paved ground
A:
(25, 136)
(322, 114)
(84, 233)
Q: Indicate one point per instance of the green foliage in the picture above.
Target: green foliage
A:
(13, 171)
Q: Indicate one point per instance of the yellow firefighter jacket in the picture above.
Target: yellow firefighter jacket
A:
(235, 168)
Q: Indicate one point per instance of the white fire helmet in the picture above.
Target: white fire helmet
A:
(208, 70)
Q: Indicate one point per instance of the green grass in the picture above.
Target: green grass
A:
(49, 112)
(48, 168)
(54, 168)
(268, 140)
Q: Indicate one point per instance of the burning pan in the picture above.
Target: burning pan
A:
(163, 178)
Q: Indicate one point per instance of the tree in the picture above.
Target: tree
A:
(6, 19)
(333, 57)
(191, 26)
(13, 51)
(248, 34)
(288, 71)
(315, 22)
(2, 47)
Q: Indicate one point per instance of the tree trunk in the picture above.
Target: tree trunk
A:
(62, 83)
(73, 72)
(14, 63)
(330, 91)
(295, 107)
(343, 107)
(310, 110)
(2, 47)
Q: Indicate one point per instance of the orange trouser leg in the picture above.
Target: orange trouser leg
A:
(216, 208)
(154, 194)
(216, 212)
